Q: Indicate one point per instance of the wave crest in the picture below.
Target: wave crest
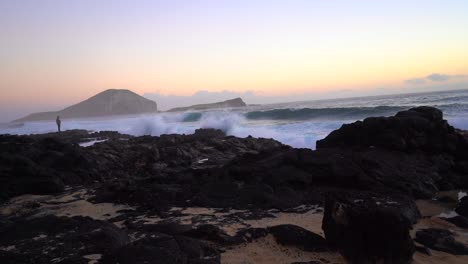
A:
(323, 113)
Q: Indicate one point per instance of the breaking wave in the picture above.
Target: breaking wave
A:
(191, 117)
(323, 113)
(295, 124)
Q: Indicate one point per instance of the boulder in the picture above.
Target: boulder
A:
(41, 165)
(208, 133)
(71, 238)
(370, 228)
(250, 234)
(105, 239)
(163, 248)
(43, 239)
(458, 220)
(212, 233)
(291, 235)
(442, 240)
(157, 248)
(462, 208)
(416, 151)
(417, 129)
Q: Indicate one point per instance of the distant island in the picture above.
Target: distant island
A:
(107, 103)
(237, 102)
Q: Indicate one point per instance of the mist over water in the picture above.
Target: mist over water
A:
(296, 124)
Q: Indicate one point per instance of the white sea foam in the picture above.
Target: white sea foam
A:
(461, 195)
(91, 142)
(296, 128)
(296, 134)
(449, 214)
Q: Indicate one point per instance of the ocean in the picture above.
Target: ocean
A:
(298, 124)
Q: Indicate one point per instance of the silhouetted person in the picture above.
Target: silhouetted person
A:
(59, 122)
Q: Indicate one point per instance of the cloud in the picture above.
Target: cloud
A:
(416, 81)
(437, 77)
(434, 77)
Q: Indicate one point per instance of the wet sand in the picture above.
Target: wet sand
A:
(266, 251)
(73, 203)
(430, 211)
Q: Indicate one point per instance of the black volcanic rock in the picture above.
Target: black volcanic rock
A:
(433, 154)
(458, 220)
(78, 136)
(30, 165)
(291, 235)
(442, 240)
(462, 208)
(237, 102)
(173, 169)
(302, 169)
(368, 187)
(69, 238)
(212, 233)
(209, 168)
(161, 248)
(370, 228)
(108, 103)
(417, 129)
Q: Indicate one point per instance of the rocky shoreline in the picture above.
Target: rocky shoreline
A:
(375, 190)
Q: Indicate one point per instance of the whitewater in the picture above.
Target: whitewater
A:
(298, 124)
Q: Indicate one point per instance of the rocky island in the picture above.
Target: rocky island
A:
(111, 102)
(236, 102)
(374, 191)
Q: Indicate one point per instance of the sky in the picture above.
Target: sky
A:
(54, 52)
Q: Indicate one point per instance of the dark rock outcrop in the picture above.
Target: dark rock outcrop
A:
(462, 208)
(161, 248)
(304, 169)
(72, 239)
(291, 235)
(68, 238)
(211, 169)
(153, 171)
(370, 228)
(417, 129)
(458, 220)
(442, 240)
(434, 155)
(180, 170)
(212, 233)
(368, 172)
(41, 165)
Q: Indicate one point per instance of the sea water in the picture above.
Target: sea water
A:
(298, 124)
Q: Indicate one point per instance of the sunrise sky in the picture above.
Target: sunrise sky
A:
(53, 53)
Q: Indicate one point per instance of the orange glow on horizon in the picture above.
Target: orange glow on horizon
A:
(179, 49)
